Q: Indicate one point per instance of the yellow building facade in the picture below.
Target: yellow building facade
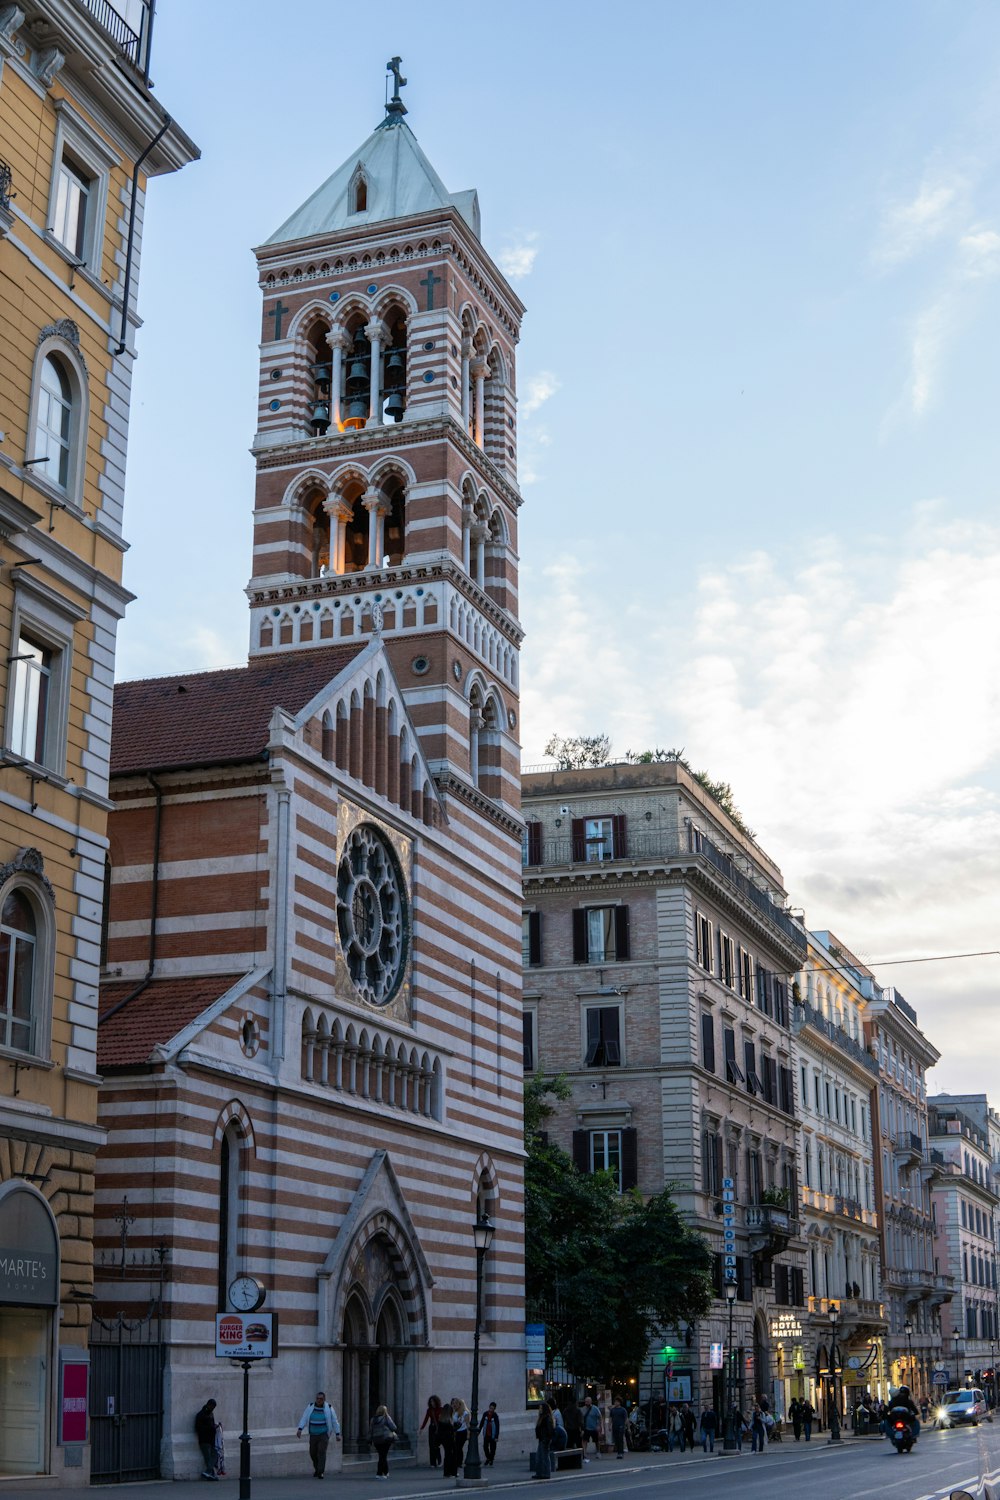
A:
(80, 132)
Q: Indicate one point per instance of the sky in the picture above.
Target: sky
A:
(758, 431)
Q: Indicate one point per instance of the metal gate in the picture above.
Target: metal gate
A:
(126, 1398)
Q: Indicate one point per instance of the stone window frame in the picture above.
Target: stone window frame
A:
(90, 154)
(46, 617)
(62, 340)
(25, 874)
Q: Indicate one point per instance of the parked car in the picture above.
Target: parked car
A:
(961, 1406)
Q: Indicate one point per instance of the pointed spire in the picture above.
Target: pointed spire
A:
(395, 109)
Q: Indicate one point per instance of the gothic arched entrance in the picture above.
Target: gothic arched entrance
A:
(383, 1322)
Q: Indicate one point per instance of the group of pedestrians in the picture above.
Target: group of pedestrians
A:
(448, 1425)
(318, 1421)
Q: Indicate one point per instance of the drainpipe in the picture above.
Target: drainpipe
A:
(122, 344)
(280, 923)
(154, 905)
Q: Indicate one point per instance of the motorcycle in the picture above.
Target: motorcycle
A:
(901, 1431)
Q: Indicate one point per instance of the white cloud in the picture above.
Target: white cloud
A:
(517, 259)
(851, 705)
(909, 227)
(980, 251)
(537, 390)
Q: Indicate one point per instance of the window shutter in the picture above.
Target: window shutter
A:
(621, 932)
(581, 1150)
(781, 1285)
(580, 936)
(781, 1002)
(798, 1287)
(579, 836)
(534, 843)
(708, 1042)
(786, 1091)
(619, 841)
(717, 1274)
(744, 1279)
(630, 1159)
(534, 937)
(717, 1162)
(762, 1271)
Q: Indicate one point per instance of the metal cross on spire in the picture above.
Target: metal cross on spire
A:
(396, 105)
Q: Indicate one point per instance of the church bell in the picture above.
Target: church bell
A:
(394, 367)
(393, 408)
(320, 416)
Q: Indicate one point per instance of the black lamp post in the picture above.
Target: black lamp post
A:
(483, 1232)
(958, 1340)
(834, 1314)
(908, 1330)
(729, 1445)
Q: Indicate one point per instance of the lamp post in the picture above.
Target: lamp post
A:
(729, 1446)
(958, 1340)
(834, 1314)
(482, 1232)
(908, 1330)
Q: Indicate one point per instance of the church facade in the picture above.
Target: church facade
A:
(310, 1032)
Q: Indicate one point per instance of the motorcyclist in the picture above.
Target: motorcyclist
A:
(903, 1402)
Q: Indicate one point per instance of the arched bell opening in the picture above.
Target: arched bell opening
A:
(394, 369)
(357, 377)
(356, 534)
(319, 357)
(319, 534)
(394, 533)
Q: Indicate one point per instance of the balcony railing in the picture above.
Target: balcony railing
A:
(849, 1207)
(131, 44)
(909, 1145)
(656, 844)
(6, 181)
(808, 1015)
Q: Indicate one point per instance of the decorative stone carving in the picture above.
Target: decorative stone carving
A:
(27, 862)
(64, 329)
(11, 20)
(47, 63)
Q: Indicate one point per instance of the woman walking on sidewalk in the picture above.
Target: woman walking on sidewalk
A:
(383, 1435)
(432, 1417)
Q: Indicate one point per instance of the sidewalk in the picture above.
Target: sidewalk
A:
(406, 1481)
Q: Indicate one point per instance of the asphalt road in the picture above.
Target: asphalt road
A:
(852, 1470)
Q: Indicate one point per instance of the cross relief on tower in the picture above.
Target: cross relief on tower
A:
(386, 446)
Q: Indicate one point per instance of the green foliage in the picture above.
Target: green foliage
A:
(621, 1265)
(581, 750)
(720, 791)
(776, 1197)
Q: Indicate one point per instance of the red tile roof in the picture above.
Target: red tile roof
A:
(215, 718)
(163, 1009)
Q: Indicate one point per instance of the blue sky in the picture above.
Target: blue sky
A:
(760, 249)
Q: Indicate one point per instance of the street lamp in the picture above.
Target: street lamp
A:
(958, 1339)
(908, 1330)
(729, 1446)
(834, 1314)
(482, 1232)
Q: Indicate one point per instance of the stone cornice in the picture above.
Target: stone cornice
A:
(356, 442)
(451, 785)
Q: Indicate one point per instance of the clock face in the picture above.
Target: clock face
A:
(246, 1294)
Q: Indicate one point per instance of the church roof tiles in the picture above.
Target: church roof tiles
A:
(215, 718)
(155, 1015)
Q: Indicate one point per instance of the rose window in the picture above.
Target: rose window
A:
(371, 914)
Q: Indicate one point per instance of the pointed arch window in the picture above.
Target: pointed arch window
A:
(230, 1198)
(357, 193)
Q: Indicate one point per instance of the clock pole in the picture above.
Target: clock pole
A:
(245, 1435)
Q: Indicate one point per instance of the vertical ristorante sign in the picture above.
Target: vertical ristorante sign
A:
(729, 1228)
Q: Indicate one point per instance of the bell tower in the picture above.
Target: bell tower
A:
(386, 451)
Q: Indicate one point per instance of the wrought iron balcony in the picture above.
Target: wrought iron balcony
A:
(6, 180)
(769, 1228)
(909, 1149)
(807, 1015)
(131, 44)
(850, 1208)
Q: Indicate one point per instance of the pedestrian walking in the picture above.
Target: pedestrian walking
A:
(740, 1426)
(446, 1439)
(688, 1419)
(432, 1416)
(543, 1432)
(795, 1417)
(204, 1430)
(675, 1427)
(619, 1421)
(758, 1432)
(319, 1420)
(489, 1427)
(592, 1424)
(382, 1432)
(461, 1419)
(559, 1442)
(708, 1424)
(807, 1412)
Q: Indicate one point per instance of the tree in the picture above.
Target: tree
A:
(576, 751)
(622, 1266)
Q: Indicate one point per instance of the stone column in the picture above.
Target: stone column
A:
(479, 535)
(466, 357)
(341, 343)
(339, 515)
(467, 538)
(398, 1389)
(377, 334)
(479, 368)
(374, 504)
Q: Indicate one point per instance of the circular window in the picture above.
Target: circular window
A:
(371, 915)
(334, 296)
(456, 668)
(428, 376)
(277, 374)
(372, 288)
(429, 344)
(420, 665)
(274, 405)
(250, 1035)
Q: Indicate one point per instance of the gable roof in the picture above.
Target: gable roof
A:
(400, 181)
(215, 718)
(155, 1015)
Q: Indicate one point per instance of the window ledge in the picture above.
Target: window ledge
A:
(34, 769)
(79, 272)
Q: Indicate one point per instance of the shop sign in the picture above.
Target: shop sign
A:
(729, 1227)
(534, 1346)
(73, 1375)
(254, 1336)
(939, 1377)
(786, 1326)
(29, 1252)
(679, 1388)
(715, 1356)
